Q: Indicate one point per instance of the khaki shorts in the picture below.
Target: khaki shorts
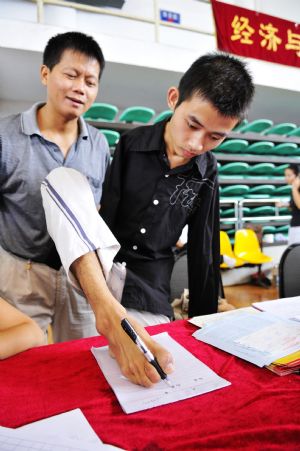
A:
(45, 295)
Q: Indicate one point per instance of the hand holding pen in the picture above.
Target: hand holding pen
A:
(127, 327)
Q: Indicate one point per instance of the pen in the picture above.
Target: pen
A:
(143, 348)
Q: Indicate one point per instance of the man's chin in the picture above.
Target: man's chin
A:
(72, 115)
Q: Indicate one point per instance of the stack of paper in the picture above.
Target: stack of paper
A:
(204, 320)
(286, 308)
(286, 365)
(260, 339)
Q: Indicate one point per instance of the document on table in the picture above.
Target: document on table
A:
(72, 425)
(285, 308)
(204, 320)
(259, 339)
(69, 431)
(190, 378)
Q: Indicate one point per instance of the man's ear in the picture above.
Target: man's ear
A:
(172, 97)
(44, 72)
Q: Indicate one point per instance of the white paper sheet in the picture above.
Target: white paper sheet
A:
(204, 320)
(190, 378)
(286, 308)
(69, 431)
(278, 337)
(245, 335)
(72, 425)
(18, 440)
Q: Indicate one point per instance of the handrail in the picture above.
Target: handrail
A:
(96, 9)
(240, 218)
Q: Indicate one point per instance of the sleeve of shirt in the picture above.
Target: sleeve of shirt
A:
(112, 187)
(203, 250)
(73, 221)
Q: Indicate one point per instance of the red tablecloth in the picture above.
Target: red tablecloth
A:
(259, 411)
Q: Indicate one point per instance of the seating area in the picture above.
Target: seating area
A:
(244, 147)
(267, 127)
(106, 112)
(251, 163)
(237, 213)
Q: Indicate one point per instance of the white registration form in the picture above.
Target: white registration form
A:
(190, 378)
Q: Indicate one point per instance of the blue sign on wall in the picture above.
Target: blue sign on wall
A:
(169, 16)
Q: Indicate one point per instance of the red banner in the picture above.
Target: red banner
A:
(255, 35)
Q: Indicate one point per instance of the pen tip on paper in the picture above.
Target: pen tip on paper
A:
(167, 381)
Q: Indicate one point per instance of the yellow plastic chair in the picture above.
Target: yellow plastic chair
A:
(226, 249)
(247, 247)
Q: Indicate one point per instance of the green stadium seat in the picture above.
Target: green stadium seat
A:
(257, 126)
(112, 136)
(235, 190)
(227, 213)
(262, 189)
(230, 232)
(234, 168)
(240, 125)
(229, 222)
(282, 229)
(269, 229)
(233, 146)
(264, 210)
(281, 129)
(137, 114)
(245, 211)
(101, 112)
(289, 149)
(257, 196)
(283, 190)
(162, 116)
(279, 170)
(284, 211)
(261, 148)
(261, 169)
(230, 212)
(295, 132)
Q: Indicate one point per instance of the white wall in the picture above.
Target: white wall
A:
(132, 44)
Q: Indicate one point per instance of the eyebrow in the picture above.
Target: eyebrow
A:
(194, 119)
(78, 72)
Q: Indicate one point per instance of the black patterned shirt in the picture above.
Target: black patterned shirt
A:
(146, 205)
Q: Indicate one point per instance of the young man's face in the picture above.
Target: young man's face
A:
(195, 127)
(72, 84)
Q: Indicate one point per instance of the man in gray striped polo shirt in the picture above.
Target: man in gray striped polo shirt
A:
(47, 136)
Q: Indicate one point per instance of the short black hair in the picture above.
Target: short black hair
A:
(221, 79)
(72, 40)
(293, 167)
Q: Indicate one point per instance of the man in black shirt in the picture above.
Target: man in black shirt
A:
(162, 177)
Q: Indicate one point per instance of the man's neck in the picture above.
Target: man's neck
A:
(57, 129)
(174, 160)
